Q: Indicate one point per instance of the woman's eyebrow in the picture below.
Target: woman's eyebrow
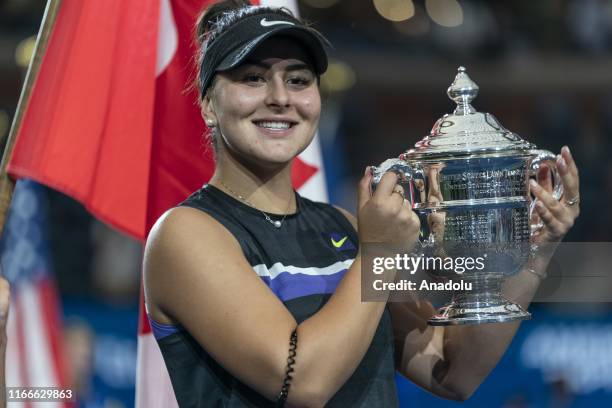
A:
(299, 66)
(292, 67)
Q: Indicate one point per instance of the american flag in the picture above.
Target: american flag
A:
(34, 350)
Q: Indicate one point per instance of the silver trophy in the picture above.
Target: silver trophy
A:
(468, 182)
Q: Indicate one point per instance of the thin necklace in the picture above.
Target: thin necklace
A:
(276, 223)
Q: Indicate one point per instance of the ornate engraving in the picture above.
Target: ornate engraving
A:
(483, 184)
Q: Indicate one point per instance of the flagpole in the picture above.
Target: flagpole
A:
(6, 183)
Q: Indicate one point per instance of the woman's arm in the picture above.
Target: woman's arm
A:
(4, 308)
(453, 361)
(196, 274)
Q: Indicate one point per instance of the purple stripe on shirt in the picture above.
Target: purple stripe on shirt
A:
(287, 286)
(161, 330)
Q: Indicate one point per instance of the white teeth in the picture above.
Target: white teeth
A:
(274, 125)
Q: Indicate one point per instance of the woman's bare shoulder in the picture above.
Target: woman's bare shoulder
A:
(185, 226)
(183, 245)
(180, 218)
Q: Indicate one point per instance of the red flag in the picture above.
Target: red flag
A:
(111, 122)
(87, 128)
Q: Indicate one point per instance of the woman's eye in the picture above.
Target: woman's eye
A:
(253, 78)
(300, 81)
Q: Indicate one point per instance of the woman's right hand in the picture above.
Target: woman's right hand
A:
(385, 216)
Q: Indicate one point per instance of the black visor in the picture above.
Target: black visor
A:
(232, 47)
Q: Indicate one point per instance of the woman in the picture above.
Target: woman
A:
(245, 270)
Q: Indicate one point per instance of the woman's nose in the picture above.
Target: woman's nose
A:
(278, 95)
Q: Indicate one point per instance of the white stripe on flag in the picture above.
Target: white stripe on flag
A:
(13, 366)
(38, 351)
(154, 389)
(12, 352)
(167, 37)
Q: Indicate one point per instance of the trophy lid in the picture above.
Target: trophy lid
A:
(466, 131)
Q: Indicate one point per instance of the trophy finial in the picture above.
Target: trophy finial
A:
(463, 90)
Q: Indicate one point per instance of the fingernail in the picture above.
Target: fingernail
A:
(566, 149)
(562, 164)
(367, 171)
(533, 183)
(540, 205)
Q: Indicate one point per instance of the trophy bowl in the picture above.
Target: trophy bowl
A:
(468, 181)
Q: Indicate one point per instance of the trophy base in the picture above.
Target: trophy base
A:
(478, 313)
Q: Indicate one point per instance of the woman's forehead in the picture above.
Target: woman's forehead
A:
(280, 47)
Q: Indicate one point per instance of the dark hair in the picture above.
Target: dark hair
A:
(217, 18)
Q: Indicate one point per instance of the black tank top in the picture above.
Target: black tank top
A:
(302, 262)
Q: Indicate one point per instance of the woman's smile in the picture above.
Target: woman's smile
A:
(275, 127)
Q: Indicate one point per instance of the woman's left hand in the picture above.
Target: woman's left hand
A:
(4, 304)
(557, 216)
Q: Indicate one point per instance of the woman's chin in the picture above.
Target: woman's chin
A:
(279, 156)
(278, 160)
(268, 160)
(270, 156)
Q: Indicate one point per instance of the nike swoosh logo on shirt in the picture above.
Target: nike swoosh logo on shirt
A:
(339, 243)
(266, 23)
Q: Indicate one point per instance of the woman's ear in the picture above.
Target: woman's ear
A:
(208, 112)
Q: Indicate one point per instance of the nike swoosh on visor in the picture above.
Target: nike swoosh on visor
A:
(266, 23)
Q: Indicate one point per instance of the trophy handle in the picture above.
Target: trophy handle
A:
(549, 158)
(410, 176)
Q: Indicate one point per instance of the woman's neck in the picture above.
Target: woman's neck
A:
(265, 189)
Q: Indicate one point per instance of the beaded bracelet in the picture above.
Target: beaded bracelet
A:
(284, 393)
